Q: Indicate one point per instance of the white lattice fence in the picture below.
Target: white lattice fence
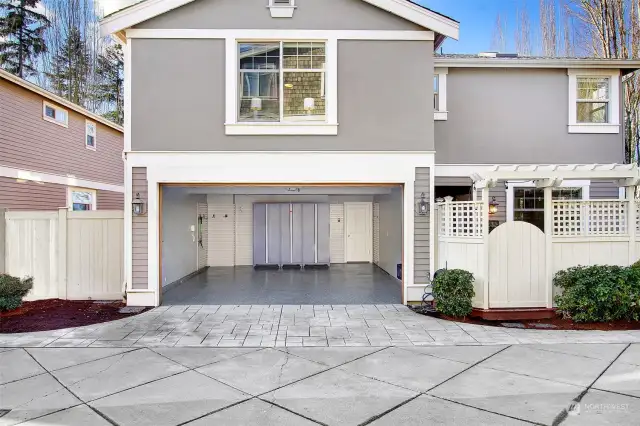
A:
(589, 218)
(461, 219)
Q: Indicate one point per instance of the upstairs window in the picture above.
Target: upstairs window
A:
(594, 101)
(55, 114)
(440, 94)
(81, 199)
(282, 82)
(90, 135)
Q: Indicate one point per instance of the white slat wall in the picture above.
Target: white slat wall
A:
(336, 232)
(244, 234)
(376, 233)
(203, 257)
(221, 245)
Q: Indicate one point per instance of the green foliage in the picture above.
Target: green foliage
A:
(70, 68)
(12, 290)
(109, 90)
(21, 36)
(599, 293)
(453, 291)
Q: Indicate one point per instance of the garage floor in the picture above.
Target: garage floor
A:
(242, 285)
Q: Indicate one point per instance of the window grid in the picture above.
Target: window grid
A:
(592, 93)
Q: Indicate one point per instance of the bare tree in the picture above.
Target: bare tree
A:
(523, 32)
(548, 28)
(498, 42)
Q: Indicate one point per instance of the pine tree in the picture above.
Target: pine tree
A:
(109, 89)
(70, 68)
(21, 36)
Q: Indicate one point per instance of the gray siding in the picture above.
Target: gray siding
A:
(382, 109)
(140, 233)
(515, 116)
(453, 181)
(603, 189)
(309, 15)
(421, 249)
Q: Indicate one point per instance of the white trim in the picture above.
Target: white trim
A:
(582, 184)
(277, 35)
(441, 113)
(33, 176)
(127, 95)
(613, 126)
(128, 228)
(143, 11)
(280, 129)
(483, 62)
(72, 189)
(57, 99)
(55, 109)
(282, 10)
(88, 123)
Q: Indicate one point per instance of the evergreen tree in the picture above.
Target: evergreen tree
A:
(70, 68)
(109, 90)
(21, 36)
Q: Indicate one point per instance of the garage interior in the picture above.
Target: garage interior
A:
(272, 245)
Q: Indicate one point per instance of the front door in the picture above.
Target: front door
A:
(358, 232)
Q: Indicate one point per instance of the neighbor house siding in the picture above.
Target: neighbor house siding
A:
(421, 265)
(386, 103)
(109, 200)
(140, 233)
(30, 143)
(515, 116)
(29, 195)
(309, 15)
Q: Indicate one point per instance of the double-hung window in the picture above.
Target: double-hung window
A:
(440, 94)
(90, 135)
(55, 114)
(594, 101)
(281, 82)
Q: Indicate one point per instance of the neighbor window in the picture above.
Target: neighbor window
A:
(54, 114)
(436, 89)
(82, 199)
(592, 99)
(440, 94)
(529, 203)
(90, 135)
(281, 82)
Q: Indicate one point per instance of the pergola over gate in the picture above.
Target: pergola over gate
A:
(514, 264)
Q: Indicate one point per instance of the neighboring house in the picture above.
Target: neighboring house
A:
(233, 106)
(56, 154)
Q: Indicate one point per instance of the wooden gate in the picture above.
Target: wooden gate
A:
(517, 266)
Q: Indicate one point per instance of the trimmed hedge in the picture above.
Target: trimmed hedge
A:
(453, 292)
(599, 293)
(12, 290)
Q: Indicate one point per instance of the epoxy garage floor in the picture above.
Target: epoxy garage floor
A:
(339, 284)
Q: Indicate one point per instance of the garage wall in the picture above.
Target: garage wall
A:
(179, 244)
(221, 230)
(336, 231)
(203, 257)
(390, 230)
(376, 233)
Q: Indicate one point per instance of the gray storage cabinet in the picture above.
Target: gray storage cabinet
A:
(291, 234)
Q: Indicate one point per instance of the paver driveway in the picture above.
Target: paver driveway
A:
(581, 384)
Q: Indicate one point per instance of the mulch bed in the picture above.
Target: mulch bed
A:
(557, 323)
(53, 314)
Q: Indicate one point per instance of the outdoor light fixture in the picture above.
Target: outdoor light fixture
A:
(493, 206)
(423, 206)
(137, 205)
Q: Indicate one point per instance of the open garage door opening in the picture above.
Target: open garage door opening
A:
(277, 245)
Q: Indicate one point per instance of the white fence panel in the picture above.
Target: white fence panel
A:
(573, 252)
(95, 268)
(30, 250)
(467, 254)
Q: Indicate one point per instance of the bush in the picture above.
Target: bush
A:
(599, 293)
(453, 291)
(12, 290)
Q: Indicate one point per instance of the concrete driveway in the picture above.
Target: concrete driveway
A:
(581, 384)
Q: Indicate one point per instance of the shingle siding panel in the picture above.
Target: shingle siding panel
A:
(422, 228)
(139, 270)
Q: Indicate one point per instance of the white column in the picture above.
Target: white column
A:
(153, 247)
(548, 235)
(408, 238)
(485, 247)
(128, 227)
(631, 222)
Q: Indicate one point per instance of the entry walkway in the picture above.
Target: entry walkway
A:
(572, 384)
(297, 325)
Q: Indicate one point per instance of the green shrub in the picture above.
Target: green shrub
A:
(599, 293)
(636, 265)
(453, 291)
(12, 290)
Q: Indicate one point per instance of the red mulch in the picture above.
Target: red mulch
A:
(559, 323)
(53, 314)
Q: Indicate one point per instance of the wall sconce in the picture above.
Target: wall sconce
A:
(423, 206)
(137, 205)
(493, 206)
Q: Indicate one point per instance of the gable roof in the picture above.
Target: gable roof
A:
(4, 75)
(413, 12)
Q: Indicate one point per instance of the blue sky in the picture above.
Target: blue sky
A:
(477, 21)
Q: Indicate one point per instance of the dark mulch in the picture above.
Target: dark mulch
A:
(53, 314)
(557, 323)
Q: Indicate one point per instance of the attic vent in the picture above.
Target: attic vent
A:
(282, 8)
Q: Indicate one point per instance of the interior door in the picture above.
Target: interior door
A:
(358, 232)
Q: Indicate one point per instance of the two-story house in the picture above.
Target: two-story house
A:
(54, 153)
(304, 133)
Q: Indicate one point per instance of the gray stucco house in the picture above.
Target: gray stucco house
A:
(305, 132)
